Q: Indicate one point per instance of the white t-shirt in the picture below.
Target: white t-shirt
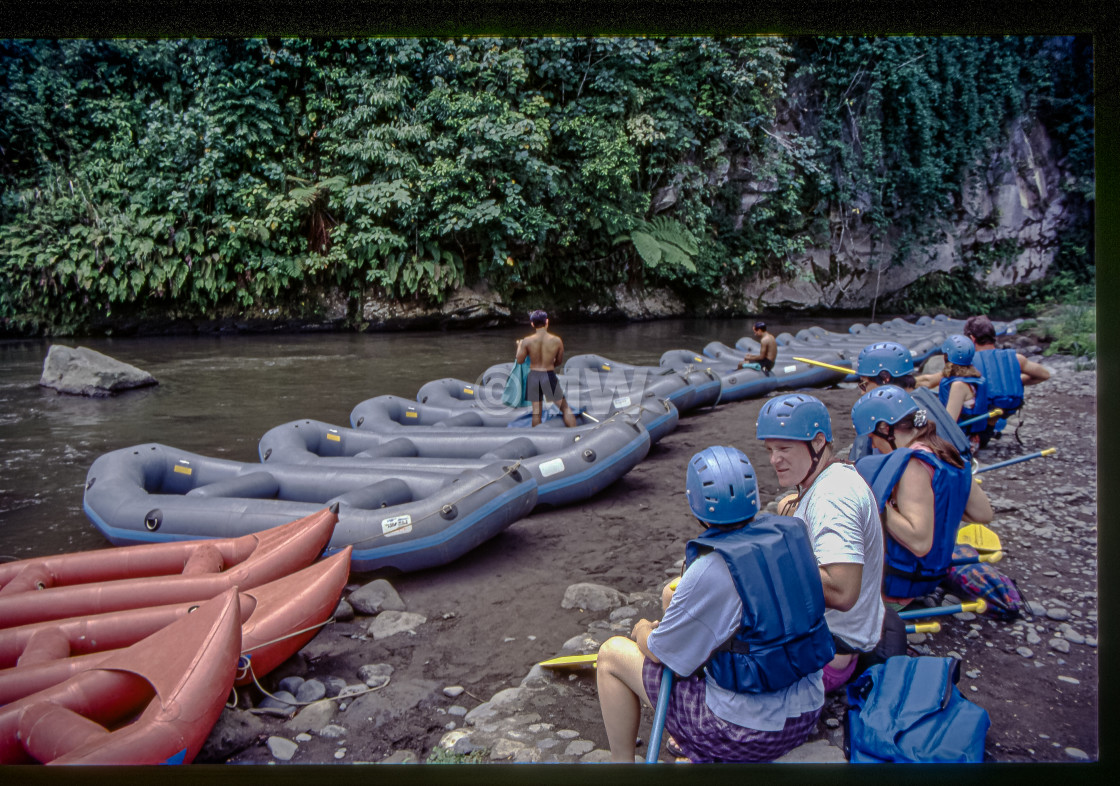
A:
(703, 614)
(844, 526)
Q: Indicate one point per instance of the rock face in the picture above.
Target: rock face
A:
(84, 372)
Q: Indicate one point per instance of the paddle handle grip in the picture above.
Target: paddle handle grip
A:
(659, 714)
(1009, 462)
(995, 413)
(978, 605)
(924, 627)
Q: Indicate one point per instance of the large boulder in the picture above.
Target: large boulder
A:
(85, 372)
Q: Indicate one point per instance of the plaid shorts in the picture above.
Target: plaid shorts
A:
(705, 737)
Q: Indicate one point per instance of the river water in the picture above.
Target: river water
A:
(218, 395)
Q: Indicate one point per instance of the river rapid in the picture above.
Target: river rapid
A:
(218, 395)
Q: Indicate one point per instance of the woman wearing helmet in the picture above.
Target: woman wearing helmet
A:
(961, 387)
(747, 692)
(922, 489)
(839, 509)
(889, 363)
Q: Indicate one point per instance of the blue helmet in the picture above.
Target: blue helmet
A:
(793, 416)
(721, 486)
(887, 404)
(886, 356)
(959, 350)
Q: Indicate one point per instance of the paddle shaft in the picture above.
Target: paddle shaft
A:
(659, 715)
(995, 413)
(824, 365)
(1009, 462)
(940, 611)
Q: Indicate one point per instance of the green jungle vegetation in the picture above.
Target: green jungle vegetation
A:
(195, 178)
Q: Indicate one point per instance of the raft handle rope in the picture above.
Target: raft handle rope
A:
(245, 666)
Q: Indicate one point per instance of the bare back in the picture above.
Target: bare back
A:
(768, 347)
(544, 350)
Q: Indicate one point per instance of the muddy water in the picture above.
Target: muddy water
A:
(218, 395)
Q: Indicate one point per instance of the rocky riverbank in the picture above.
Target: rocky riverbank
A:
(439, 666)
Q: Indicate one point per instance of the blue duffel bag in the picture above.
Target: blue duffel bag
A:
(909, 710)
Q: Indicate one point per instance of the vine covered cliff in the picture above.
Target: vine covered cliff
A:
(378, 182)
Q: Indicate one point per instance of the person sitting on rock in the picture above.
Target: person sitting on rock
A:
(922, 489)
(962, 389)
(839, 511)
(745, 630)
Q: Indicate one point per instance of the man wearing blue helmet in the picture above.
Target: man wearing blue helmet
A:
(749, 653)
(839, 509)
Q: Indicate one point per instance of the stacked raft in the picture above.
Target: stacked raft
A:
(127, 656)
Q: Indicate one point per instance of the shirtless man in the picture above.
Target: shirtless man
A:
(767, 351)
(545, 352)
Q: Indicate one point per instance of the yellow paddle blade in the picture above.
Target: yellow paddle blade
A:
(979, 537)
(825, 365)
(571, 661)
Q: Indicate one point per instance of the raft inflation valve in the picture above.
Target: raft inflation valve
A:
(361, 420)
(153, 520)
(448, 512)
(267, 453)
(89, 485)
(589, 455)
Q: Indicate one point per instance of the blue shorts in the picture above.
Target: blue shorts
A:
(706, 737)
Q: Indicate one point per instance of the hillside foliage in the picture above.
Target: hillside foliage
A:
(199, 177)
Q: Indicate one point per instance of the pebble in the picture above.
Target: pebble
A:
(282, 748)
(375, 675)
(832, 723)
(1077, 754)
(1070, 634)
(972, 673)
(332, 732)
(303, 737)
(579, 747)
(1070, 680)
(1026, 652)
(1061, 645)
(452, 691)
(340, 753)
(1058, 614)
(1033, 637)
(457, 709)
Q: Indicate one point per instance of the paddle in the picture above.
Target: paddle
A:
(1009, 462)
(979, 606)
(825, 365)
(659, 714)
(995, 413)
(924, 627)
(571, 661)
(979, 537)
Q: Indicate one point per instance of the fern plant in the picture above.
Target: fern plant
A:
(663, 244)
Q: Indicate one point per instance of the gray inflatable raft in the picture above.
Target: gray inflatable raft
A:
(394, 519)
(568, 465)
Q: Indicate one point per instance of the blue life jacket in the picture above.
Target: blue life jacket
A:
(782, 636)
(906, 575)
(947, 428)
(1003, 375)
(978, 408)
